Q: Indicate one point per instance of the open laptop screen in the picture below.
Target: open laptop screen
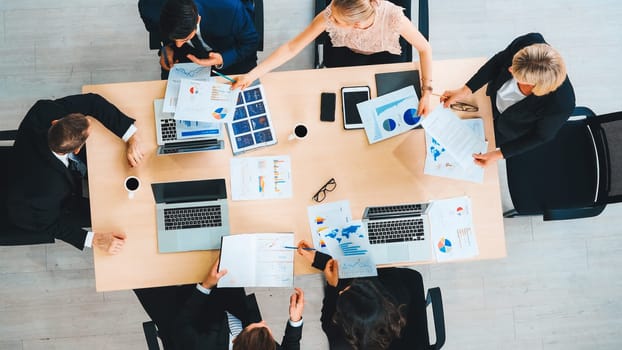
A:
(189, 191)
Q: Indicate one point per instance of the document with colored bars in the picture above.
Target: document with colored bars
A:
(255, 178)
(453, 235)
(334, 233)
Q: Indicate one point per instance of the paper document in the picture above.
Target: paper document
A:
(261, 178)
(451, 224)
(177, 73)
(438, 162)
(390, 115)
(257, 260)
(335, 233)
(456, 137)
(205, 101)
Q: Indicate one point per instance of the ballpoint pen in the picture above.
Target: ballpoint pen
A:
(290, 247)
(224, 76)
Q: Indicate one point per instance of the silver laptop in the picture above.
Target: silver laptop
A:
(185, 136)
(399, 233)
(191, 215)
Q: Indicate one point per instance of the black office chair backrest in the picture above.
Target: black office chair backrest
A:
(149, 11)
(607, 131)
(9, 234)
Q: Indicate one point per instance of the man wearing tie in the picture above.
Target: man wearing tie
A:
(217, 33)
(45, 181)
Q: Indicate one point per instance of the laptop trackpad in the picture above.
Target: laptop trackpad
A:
(398, 252)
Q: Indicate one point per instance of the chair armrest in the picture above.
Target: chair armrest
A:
(151, 335)
(572, 213)
(8, 135)
(434, 297)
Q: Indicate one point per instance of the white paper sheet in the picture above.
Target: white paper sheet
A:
(178, 72)
(261, 178)
(206, 101)
(451, 223)
(438, 162)
(457, 138)
(257, 260)
(390, 115)
(334, 233)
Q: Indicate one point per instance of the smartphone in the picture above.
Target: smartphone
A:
(350, 96)
(327, 106)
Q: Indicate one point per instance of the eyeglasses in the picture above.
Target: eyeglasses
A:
(463, 107)
(328, 187)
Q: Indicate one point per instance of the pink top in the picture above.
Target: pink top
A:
(382, 35)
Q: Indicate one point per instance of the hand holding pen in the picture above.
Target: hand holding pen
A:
(306, 250)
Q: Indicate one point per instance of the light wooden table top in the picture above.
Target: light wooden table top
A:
(388, 172)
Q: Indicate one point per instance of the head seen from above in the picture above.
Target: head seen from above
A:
(69, 133)
(368, 318)
(358, 14)
(255, 336)
(178, 20)
(541, 66)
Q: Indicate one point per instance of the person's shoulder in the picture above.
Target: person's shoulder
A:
(528, 39)
(564, 96)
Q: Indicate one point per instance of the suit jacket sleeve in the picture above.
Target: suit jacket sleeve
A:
(291, 338)
(99, 108)
(501, 61)
(245, 37)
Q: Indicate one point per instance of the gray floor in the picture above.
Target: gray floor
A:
(558, 288)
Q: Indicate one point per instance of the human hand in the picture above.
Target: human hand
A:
(483, 159)
(242, 82)
(109, 242)
(331, 272)
(134, 152)
(309, 255)
(166, 57)
(211, 280)
(450, 96)
(213, 59)
(296, 305)
(424, 105)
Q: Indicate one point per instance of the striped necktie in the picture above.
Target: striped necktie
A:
(235, 325)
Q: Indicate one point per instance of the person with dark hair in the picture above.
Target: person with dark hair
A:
(373, 313)
(217, 33)
(49, 164)
(203, 316)
(530, 94)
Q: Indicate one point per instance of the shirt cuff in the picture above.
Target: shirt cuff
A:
(129, 133)
(203, 290)
(88, 241)
(295, 324)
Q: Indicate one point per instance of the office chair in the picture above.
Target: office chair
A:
(149, 11)
(573, 176)
(323, 45)
(9, 234)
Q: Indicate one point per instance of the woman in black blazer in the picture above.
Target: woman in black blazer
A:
(530, 92)
(384, 312)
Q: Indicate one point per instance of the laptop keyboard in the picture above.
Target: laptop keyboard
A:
(389, 231)
(402, 208)
(195, 217)
(169, 129)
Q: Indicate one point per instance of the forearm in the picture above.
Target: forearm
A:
(275, 60)
(425, 63)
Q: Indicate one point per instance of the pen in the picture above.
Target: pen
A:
(290, 247)
(224, 76)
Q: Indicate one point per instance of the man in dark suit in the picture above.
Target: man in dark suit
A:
(217, 33)
(203, 316)
(530, 92)
(45, 186)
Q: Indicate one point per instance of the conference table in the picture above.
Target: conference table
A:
(384, 173)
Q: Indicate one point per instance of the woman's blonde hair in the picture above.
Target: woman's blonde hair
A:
(353, 11)
(540, 65)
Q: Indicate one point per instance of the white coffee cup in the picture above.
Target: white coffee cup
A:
(299, 132)
(132, 184)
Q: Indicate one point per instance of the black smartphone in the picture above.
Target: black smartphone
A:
(327, 106)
